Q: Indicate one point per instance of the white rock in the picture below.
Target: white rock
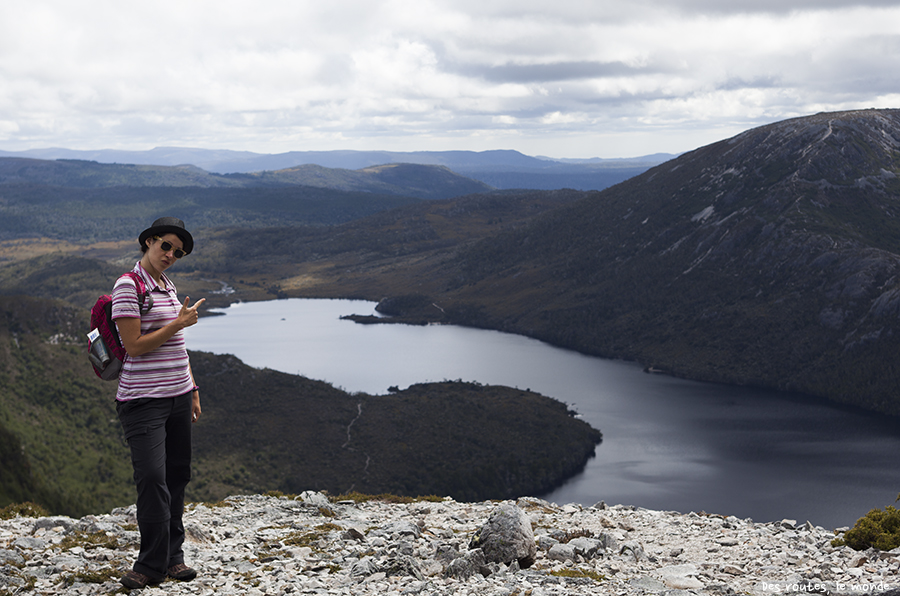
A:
(681, 577)
(684, 583)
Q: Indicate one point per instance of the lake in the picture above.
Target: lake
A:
(668, 444)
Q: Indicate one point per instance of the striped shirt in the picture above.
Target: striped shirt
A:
(165, 371)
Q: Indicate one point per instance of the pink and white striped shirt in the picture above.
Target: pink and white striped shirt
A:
(165, 371)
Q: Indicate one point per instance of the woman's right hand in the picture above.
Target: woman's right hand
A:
(188, 315)
(137, 344)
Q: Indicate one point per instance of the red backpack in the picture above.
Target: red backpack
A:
(105, 350)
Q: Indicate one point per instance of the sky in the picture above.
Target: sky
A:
(557, 78)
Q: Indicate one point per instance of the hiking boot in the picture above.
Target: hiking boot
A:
(135, 581)
(182, 572)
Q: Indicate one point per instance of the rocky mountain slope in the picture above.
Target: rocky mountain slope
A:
(310, 545)
(770, 259)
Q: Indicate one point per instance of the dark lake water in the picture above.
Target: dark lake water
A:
(668, 444)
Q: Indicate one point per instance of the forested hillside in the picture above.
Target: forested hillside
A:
(108, 214)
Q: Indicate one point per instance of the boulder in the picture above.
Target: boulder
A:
(468, 565)
(11, 557)
(506, 537)
(403, 565)
(317, 500)
(634, 549)
(562, 552)
(587, 547)
(681, 577)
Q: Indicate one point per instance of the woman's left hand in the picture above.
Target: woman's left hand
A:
(195, 406)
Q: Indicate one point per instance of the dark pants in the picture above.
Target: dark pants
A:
(158, 430)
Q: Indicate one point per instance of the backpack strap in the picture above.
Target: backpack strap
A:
(145, 298)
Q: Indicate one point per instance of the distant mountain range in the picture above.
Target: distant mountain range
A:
(421, 181)
(499, 169)
(48, 197)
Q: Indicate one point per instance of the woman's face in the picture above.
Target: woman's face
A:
(163, 259)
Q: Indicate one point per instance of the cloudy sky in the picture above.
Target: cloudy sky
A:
(563, 78)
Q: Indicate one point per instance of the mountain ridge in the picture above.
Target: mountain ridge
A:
(414, 180)
(503, 169)
(211, 159)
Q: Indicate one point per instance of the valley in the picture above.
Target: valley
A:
(770, 260)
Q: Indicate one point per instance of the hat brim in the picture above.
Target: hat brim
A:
(185, 236)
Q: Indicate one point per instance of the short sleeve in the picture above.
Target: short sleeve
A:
(125, 299)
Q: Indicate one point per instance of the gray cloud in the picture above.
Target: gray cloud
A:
(571, 78)
(764, 6)
(553, 72)
(760, 82)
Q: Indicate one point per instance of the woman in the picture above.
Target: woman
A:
(157, 400)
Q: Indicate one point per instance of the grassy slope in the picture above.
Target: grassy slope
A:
(59, 413)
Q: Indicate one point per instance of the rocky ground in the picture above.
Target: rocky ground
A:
(254, 545)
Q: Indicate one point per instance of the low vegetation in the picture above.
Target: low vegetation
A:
(577, 572)
(358, 497)
(26, 509)
(878, 529)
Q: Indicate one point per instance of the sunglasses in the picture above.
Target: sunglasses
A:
(166, 246)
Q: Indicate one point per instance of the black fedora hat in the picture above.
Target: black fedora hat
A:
(168, 225)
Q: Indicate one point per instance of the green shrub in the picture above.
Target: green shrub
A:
(27, 509)
(878, 529)
(385, 497)
(89, 540)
